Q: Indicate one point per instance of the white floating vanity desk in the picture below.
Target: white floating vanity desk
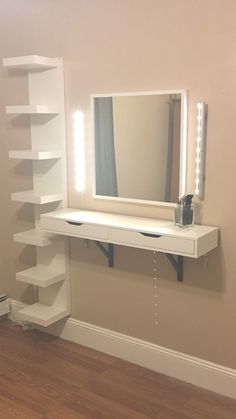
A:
(145, 233)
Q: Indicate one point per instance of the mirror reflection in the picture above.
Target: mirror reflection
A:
(137, 146)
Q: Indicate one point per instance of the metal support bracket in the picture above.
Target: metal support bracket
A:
(178, 265)
(107, 251)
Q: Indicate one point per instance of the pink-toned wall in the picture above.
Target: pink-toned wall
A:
(127, 45)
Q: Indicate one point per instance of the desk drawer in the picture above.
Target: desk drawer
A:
(76, 229)
(167, 244)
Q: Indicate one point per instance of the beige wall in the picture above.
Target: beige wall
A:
(126, 45)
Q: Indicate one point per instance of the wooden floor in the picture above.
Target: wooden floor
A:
(46, 377)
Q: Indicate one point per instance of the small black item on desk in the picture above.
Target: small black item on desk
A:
(184, 211)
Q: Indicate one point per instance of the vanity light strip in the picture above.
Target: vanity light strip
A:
(200, 149)
(79, 151)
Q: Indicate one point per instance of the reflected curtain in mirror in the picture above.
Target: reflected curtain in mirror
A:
(106, 181)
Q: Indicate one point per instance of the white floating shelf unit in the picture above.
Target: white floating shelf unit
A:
(31, 62)
(42, 314)
(47, 152)
(32, 109)
(36, 198)
(35, 237)
(34, 154)
(41, 275)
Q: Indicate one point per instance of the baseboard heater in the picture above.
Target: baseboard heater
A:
(4, 304)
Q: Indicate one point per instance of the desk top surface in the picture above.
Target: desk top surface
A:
(142, 224)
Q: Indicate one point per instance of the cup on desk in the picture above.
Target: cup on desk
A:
(184, 211)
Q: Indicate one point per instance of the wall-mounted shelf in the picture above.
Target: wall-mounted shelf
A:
(145, 233)
(36, 198)
(35, 237)
(42, 314)
(41, 276)
(32, 109)
(34, 154)
(31, 62)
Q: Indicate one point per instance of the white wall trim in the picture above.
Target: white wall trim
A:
(193, 370)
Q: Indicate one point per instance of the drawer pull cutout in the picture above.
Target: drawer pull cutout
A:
(74, 223)
(155, 236)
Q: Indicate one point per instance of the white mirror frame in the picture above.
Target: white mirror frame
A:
(183, 147)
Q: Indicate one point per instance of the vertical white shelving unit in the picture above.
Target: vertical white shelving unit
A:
(48, 154)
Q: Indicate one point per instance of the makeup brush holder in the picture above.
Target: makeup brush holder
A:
(184, 216)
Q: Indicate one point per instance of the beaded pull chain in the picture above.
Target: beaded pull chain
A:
(155, 293)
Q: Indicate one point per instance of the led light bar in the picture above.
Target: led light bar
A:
(200, 149)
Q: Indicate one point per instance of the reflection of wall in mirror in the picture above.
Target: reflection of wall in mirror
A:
(174, 186)
(141, 146)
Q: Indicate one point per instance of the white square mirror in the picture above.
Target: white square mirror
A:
(140, 146)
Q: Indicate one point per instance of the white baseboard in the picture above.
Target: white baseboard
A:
(175, 364)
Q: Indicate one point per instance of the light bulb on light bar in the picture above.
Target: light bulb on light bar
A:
(79, 151)
(200, 149)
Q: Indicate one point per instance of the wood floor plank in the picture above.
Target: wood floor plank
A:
(42, 376)
(96, 407)
(14, 410)
(85, 353)
(129, 394)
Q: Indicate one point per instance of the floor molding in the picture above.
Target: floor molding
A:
(193, 370)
